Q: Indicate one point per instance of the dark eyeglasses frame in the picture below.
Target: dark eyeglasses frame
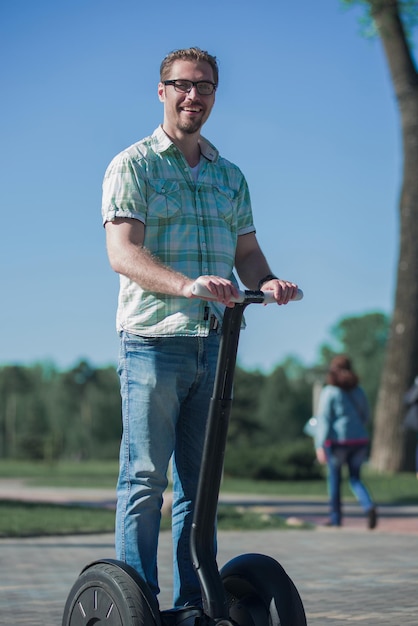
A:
(192, 84)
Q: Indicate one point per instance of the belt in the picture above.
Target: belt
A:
(213, 322)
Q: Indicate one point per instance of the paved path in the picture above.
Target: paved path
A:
(315, 510)
(344, 576)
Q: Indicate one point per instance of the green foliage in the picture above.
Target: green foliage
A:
(53, 416)
(91, 397)
(285, 406)
(48, 415)
(280, 461)
(408, 13)
(244, 423)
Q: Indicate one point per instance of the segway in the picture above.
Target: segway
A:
(250, 590)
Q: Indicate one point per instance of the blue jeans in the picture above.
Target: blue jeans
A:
(166, 386)
(354, 456)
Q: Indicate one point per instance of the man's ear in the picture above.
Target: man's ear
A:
(161, 93)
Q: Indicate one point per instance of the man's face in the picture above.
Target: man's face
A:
(185, 113)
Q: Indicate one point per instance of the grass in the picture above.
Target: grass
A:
(91, 474)
(18, 519)
(386, 488)
(32, 519)
(236, 518)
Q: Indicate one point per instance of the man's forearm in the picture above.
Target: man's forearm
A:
(253, 270)
(140, 266)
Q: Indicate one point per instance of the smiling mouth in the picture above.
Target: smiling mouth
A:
(191, 110)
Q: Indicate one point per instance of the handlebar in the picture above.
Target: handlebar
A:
(247, 296)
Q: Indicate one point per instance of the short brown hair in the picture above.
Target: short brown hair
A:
(189, 54)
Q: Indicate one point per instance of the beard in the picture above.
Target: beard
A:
(190, 126)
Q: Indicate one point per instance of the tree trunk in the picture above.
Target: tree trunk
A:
(401, 362)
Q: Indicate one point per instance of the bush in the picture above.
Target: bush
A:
(290, 461)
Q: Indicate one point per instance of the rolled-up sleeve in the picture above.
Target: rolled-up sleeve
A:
(124, 192)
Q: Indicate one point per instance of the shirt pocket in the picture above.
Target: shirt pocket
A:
(224, 200)
(164, 200)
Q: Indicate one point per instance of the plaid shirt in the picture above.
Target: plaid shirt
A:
(190, 226)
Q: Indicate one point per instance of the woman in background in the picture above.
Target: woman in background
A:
(341, 436)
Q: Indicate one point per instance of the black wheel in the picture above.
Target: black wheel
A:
(112, 593)
(260, 593)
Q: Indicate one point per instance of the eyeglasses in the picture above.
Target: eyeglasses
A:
(204, 87)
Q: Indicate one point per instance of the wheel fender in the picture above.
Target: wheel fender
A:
(267, 578)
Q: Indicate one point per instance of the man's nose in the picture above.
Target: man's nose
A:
(194, 90)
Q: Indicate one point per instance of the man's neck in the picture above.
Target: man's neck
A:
(188, 145)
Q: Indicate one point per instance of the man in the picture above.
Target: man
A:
(174, 210)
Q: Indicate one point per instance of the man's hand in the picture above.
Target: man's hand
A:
(221, 289)
(283, 290)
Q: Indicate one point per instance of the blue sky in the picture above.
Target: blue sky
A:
(305, 108)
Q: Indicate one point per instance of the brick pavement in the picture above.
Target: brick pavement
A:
(344, 576)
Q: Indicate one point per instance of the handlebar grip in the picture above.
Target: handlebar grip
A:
(200, 291)
(269, 299)
(299, 296)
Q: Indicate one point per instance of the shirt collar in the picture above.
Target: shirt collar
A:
(164, 143)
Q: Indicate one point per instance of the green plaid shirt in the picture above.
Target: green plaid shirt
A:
(190, 226)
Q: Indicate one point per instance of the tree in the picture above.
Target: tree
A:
(33, 427)
(285, 406)
(265, 438)
(90, 409)
(244, 422)
(392, 20)
(104, 397)
(15, 387)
